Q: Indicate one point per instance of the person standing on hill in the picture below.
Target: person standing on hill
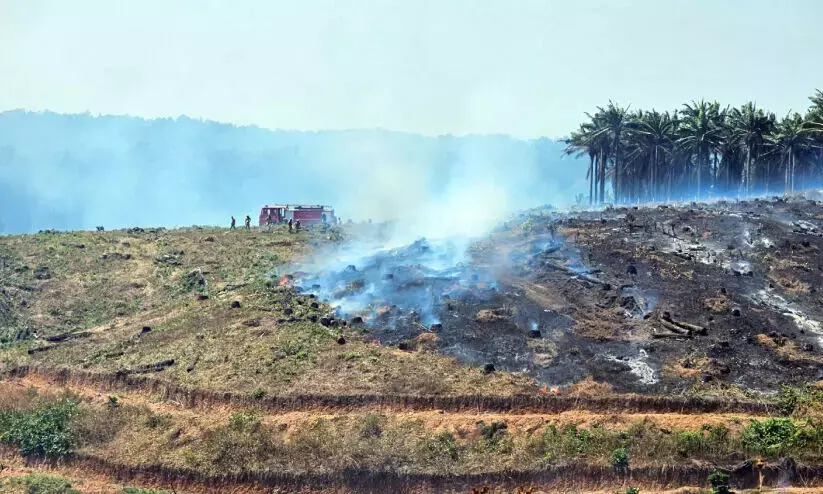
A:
(248, 222)
(297, 226)
(233, 222)
(291, 225)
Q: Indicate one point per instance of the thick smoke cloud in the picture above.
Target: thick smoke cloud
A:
(79, 171)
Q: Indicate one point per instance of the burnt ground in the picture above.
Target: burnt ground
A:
(650, 300)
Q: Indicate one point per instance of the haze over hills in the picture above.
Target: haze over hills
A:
(79, 171)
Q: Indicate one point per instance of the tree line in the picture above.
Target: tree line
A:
(698, 151)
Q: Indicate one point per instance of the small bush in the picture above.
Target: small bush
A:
(690, 443)
(46, 431)
(42, 484)
(442, 447)
(258, 394)
(719, 482)
(372, 426)
(620, 460)
(632, 490)
(495, 436)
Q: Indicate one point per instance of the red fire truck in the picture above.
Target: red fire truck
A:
(307, 214)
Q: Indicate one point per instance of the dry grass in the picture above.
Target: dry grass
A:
(143, 282)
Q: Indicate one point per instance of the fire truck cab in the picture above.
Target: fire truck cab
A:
(306, 214)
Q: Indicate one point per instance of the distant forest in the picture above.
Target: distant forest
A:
(698, 151)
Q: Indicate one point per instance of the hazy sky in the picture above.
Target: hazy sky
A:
(522, 67)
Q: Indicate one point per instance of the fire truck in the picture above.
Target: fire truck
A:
(307, 214)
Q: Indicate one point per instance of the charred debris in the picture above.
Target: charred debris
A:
(651, 299)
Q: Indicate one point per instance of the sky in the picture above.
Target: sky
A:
(526, 68)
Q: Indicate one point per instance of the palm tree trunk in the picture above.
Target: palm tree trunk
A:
(603, 160)
(786, 176)
(591, 177)
(794, 162)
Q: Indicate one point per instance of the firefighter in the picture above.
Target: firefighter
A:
(552, 229)
(297, 226)
(269, 220)
(291, 226)
(248, 222)
(233, 222)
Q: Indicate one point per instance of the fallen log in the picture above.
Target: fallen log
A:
(668, 335)
(674, 328)
(574, 273)
(192, 364)
(44, 348)
(685, 325)
(691, 327)
(147, 368)
(67, 336)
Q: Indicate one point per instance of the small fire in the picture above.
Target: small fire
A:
(554, 390)
(286, 280)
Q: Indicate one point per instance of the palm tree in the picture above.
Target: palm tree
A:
(582, 143)
(700, 135)
(749, 126)
(790, 139)
(814, 124)
(651, 137)
(610, 124)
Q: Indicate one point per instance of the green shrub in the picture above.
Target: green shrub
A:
(690, 443)
(441, 447)
(799, 401)
(46, 431)
(575, 441)
(632, 490)
(719, 482)
(42, 484)
(258, 394)
(787, 401)
(770, 437)
(495, 436)
(620, 460)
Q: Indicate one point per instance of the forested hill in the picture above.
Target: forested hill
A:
(79, 171)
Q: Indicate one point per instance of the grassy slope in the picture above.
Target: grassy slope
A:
(119, 282)
(241, 349)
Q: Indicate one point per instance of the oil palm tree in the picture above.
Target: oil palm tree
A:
(610, 125)
(699, 135)
(749, 127)
(790, 140)
(652, 137)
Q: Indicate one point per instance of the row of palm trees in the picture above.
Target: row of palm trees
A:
(698, 151)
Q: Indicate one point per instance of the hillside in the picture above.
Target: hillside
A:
(570, 352)
(78, 171)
